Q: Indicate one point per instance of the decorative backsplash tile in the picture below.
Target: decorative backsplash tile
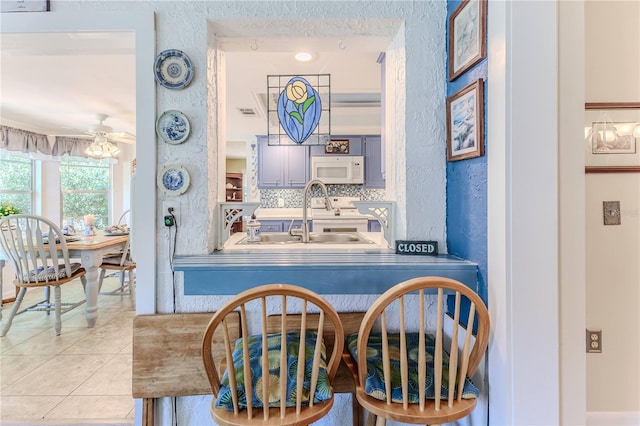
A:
(293, 197)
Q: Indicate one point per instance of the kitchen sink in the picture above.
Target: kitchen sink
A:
(318, 238)
(276, 238)
(338, 238)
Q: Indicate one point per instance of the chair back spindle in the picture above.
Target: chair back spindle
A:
(420, 357)
(299, 356)
(37, 251)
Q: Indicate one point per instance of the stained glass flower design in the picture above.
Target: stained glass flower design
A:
(299, 109)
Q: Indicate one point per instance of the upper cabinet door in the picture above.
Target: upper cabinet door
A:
(373, 173)
(297, 166)
(282, 167)
(270, 164)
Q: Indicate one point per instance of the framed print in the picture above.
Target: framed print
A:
(24, 6)
(612, 138)
(465, 122)
(337, 146)
(467, 36)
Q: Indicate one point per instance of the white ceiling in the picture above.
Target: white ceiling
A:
(56, 83)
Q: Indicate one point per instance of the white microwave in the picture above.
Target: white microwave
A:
(338, 169)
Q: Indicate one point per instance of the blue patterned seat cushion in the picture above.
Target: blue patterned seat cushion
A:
(49, 274)
(374, 384)
(323, 388)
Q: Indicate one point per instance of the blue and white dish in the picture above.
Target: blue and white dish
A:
(173, 127)
(173, 69)
(174, 180)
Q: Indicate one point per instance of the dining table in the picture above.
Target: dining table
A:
(90, 250)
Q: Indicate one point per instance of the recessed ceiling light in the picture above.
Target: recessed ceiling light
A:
(303, 56)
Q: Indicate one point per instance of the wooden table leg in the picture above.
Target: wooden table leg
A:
(147, 411)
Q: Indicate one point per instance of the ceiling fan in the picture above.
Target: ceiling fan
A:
(103, 145)
(107, 131)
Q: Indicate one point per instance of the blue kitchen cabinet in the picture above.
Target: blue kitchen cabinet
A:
(282, 167)
(280, 225)
(271, 226)
(373, 173)
(355, 146)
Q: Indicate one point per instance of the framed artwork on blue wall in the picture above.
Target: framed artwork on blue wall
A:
(465, 122)
(467, 36)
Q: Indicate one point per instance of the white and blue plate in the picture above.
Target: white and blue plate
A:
(173, 69)
(174, 180)
(173, 127)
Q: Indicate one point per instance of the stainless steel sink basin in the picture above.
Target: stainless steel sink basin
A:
(335, 238)
(275, 238)
(318, 238)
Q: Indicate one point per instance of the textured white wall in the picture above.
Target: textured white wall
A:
(423, 160)
(416, 133)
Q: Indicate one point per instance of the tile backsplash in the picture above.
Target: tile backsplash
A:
(293, 197)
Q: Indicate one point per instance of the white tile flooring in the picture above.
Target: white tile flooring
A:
(81, 377)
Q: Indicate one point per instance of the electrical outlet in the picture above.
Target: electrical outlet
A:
(280, 202)
(171, 204)
(594, 341)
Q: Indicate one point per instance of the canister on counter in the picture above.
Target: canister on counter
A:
(253, 229)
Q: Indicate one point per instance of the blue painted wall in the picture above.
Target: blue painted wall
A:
(467, 186)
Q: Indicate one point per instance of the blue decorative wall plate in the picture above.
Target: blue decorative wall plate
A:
(173, 127)
(174, 180)
(173, 69)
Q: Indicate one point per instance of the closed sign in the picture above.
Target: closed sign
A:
(428, 248)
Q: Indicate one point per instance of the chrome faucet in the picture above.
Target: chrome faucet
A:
(304, 228)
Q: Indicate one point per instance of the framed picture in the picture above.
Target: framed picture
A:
(24, 6)
(465, 122)
(467, 36)
(337, 146)
(612, 138)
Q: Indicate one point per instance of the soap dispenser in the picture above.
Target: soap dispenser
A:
(253, 229)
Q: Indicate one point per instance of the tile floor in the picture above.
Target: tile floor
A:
(81, 377)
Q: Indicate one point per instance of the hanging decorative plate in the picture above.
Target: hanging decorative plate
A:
(174, 180)
(173, 69)
(173, 127)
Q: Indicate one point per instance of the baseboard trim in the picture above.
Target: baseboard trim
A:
(613, 418)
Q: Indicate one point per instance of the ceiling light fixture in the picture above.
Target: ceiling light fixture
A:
(102, 147)
(303, 56)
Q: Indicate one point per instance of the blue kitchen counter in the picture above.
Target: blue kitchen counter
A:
(230, 272)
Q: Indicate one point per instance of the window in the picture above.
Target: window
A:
(16, 182)
(85, 186)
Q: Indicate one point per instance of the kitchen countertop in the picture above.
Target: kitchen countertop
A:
(373, 271)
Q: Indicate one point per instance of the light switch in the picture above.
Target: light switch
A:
(611, 212)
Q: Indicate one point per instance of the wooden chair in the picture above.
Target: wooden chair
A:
(24, 242)
(302, 374)
(120, 262)
(397, 374)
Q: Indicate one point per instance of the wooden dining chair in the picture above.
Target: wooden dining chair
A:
(24, 240)
(120, 262)
(262, 383)
(420, 376)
